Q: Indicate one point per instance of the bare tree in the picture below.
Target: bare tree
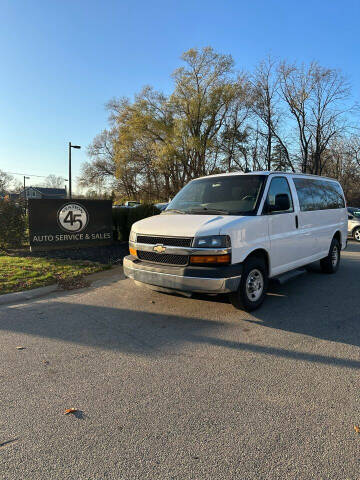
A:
(101, 152)
(341, 162)
(296, 84)
(330, 93)
(16, 186)
(5, 181)
(266, 105)
(354, 148)
(53, 181)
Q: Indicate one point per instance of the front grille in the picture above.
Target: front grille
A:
(168, 241)
(165, 258)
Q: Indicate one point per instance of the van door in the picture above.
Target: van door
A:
(285, 252)
(310, 216)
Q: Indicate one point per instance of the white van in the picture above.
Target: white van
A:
(232, 232)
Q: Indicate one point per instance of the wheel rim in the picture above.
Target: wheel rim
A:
(335, 256)
(357, 234)
(254, 285)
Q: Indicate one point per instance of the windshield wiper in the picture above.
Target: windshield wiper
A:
(214, 211)
(174, 210)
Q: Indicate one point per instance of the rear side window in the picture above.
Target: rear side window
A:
(336, 199)
(318, 194)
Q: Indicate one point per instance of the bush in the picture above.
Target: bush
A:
(12, 225)
(124, 217)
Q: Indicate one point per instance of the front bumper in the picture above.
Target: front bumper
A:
(220, 279)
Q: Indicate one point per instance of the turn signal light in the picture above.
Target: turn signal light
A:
(204, 259)
(132, 252)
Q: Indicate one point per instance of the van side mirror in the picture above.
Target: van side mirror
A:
(282, 203)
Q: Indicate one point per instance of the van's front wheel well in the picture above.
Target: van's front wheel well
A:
(263, 254)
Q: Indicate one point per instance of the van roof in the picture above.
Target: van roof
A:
(269, 172)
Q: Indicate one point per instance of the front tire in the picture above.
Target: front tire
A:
(330, 264)
(253, 286)
(356, 234)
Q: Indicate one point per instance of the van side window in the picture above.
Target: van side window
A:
(318, 194)
(335, 196)
(279, 188)
(305, 194)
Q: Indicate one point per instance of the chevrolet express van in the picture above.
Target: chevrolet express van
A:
(232, 232)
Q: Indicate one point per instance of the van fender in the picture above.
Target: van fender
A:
(257, 250)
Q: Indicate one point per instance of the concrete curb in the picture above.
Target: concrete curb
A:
(98, 278)
(18, 297)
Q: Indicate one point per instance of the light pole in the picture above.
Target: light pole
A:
(70, 147)
(65, 180)
(25, 178)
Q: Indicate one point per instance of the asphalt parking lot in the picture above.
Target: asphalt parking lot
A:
(173, 388)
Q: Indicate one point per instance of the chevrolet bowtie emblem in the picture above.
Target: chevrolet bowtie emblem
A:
(159, 249)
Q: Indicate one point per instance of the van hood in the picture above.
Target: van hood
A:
(178, 225)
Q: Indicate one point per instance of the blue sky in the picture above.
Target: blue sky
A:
(62, 60)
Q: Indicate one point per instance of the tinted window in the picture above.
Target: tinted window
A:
(339, 195)
(332, 195)
(278, 186)
(318, 194)
(305, 194)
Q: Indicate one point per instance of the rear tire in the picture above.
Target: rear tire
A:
(356, 234)
(330, 264)
(253, 286)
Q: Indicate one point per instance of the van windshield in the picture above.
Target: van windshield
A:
(223, 195)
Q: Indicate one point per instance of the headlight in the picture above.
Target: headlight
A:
(132, 236)
(214, 241)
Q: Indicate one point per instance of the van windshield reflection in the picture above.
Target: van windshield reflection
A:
(223, 195)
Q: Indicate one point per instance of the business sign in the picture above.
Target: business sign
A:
(63, 223)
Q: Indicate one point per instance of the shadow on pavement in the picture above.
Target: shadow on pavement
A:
(144, 333)
(319, 305)
(324, 307)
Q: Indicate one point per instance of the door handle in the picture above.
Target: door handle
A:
(296, 221)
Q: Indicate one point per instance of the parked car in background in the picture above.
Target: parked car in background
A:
(161, 206)
(230, 233)
(354, 223)
(128, 204)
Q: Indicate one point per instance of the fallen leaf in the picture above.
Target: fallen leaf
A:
(20, 348)
(357, 428)
(70, 410)
(4, 444)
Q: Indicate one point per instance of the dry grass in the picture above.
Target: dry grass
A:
(25, 273)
